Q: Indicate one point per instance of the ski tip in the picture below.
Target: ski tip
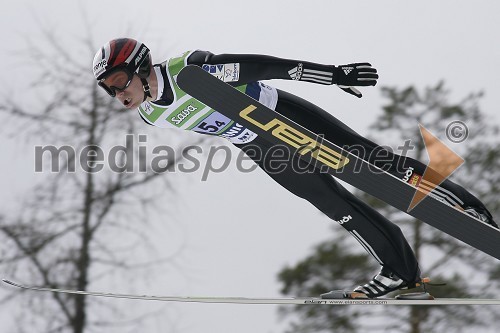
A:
(10, 282)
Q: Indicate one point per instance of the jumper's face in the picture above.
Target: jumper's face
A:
(128, 90)
(132, 96)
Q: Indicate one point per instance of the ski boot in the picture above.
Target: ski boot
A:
(482, 215)
(381, 284)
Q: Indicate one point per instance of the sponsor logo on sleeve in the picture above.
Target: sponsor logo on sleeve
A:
(296, 72)
(224, 72)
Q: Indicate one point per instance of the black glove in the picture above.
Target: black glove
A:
(358, 74)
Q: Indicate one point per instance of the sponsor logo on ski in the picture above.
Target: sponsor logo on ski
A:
(408, 174)
(415, 180)
(295, 138)
(411, 178)
(345, 219)
(177, 119)
(346, 301)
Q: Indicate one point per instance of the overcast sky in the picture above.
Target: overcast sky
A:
(265, 226)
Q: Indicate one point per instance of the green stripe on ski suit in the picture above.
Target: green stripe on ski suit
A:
(184, 108)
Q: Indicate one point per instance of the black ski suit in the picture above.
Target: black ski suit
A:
(380, 237)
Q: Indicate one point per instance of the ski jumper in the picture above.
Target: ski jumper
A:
(380, 238)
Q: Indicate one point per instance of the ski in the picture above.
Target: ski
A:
(269, 301)
(328, 157)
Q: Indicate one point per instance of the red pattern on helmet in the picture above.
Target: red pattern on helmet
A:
(120, 50)
(112, 45)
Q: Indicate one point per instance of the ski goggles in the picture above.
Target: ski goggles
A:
(116, 81)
